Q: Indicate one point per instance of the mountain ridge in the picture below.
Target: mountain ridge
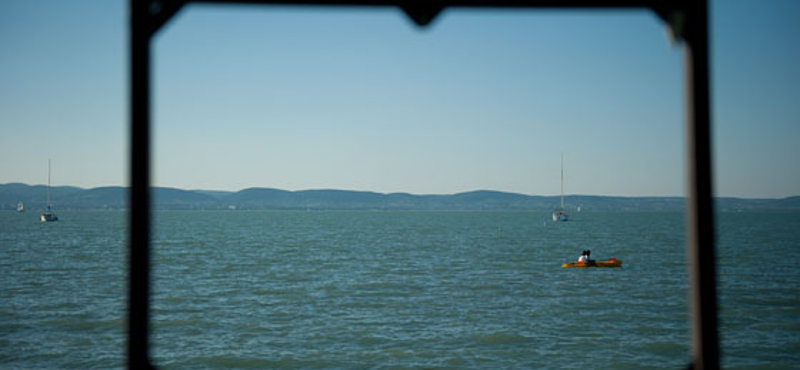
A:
(115, 197)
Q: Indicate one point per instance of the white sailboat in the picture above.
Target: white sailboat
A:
(561, 214)
(20, 207)
(48, 215)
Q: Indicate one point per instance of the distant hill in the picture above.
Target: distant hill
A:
(115, 197)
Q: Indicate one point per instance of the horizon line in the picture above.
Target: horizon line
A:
(398, 192)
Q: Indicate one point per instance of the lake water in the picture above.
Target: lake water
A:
(394, 290)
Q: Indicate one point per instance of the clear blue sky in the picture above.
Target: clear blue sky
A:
(301, 98)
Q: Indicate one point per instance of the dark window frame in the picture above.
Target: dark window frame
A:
(686, 19)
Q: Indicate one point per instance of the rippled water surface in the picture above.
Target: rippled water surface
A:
(394, 290)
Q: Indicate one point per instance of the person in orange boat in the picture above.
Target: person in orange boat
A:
(585, 257)
(589, 259)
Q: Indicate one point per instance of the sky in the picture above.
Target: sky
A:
(362, 99)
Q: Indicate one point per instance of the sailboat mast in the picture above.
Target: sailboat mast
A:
(562, 181)
(48, 183)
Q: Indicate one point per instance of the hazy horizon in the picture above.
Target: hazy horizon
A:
(399, 192)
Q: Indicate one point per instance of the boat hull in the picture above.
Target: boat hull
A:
(48, 217)
(596, 264)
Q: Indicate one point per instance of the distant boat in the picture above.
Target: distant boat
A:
(48, 215)
(20, 207)
(561, 214)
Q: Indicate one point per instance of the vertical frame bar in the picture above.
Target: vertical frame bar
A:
(139, 200)
(699, 202)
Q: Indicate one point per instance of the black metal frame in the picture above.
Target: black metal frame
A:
(686, 19)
